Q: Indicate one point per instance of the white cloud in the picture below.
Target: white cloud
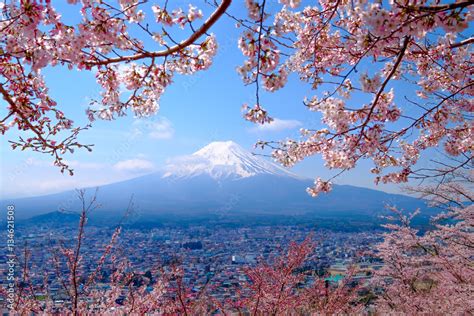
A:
(277, 125)
(135, 165)
(155, 128)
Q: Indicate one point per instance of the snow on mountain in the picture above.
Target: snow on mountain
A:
(223, 160)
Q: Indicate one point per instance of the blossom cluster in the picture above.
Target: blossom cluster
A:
(34, 36)
(319, 186)
(419, 45)
(256, 114)
(430, 272)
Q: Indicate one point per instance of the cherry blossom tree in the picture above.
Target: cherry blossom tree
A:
(281, 288)
(34, 36)
(411, 62)
(431, 272)
(355, 50)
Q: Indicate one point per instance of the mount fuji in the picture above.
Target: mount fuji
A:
(222, 179)
(223, 161)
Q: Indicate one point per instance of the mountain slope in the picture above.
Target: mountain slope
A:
(222, 179)
(222, 160)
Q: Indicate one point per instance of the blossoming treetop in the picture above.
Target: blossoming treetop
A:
(346, 50)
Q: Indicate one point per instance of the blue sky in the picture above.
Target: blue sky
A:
(195, 111)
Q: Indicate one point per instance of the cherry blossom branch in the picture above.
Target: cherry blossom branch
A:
(190, 40)
(384, 84)
(259, 51)
(463, 43)
(25, 120)
(446, 7)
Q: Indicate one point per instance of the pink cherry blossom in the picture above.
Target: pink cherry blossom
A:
(34, 36)
(359, 57)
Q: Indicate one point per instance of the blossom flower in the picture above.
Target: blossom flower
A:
(319, 186)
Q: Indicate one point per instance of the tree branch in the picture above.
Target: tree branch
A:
(196, 35)
(462, 43)
(445, 7)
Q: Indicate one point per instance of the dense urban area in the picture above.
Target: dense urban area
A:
(215, 257)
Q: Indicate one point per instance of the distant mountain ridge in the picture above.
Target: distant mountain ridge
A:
(222, 179)
(54, 218)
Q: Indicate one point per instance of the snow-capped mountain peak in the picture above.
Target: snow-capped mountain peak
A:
(225, 159)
